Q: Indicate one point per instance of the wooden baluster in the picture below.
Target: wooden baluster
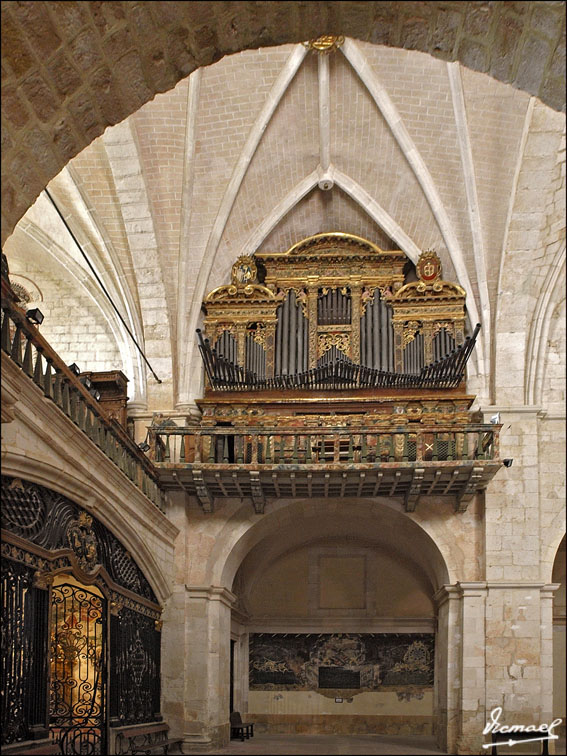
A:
(465, 452)
(308, 455)
(282, 450)
(294, 456)
(451, 448)
(5, 337)
(480, 452)
(65, 399)
(57, 398)
(28, 358)
(239, 449)
(167, 455)
(16, 350)
(225, 450)
(363, 448)
(82, 412)
(268, 451)
(47, 385)
(74, 398)
(405, 455)
(350, 449)
(435, 455)
(38, 370)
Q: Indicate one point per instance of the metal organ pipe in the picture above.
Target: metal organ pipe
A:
(285, 337)
(292, 333)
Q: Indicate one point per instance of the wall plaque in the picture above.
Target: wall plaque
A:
(338, 677)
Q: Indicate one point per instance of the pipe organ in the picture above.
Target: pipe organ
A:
(331, 301)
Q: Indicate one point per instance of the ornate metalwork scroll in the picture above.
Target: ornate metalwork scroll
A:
(77, 710)
(36, 522)
(52, 521)
(135, 664)
(24, 653)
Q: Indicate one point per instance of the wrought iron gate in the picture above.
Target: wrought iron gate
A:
(78, 670)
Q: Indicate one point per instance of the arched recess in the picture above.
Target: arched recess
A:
(550, 550)
(242, 532)
(118, 57)
(340, 546)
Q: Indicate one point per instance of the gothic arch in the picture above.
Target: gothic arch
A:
(73, 70)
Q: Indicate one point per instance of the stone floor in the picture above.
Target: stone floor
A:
(331, 744)
(349, 745)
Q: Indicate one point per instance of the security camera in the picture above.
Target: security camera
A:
(508, 462)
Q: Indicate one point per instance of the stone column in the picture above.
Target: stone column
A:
(207, 634)
(447, 667)
(473, 662)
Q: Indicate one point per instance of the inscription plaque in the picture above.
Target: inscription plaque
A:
(338, 677)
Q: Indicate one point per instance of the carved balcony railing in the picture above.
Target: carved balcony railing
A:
(340, 461)
(23, 343)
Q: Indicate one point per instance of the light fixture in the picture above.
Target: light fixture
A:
(95, 393)
(144, 446)
(495, 419)
(508, 462)
(35, 316)
(74, 368)
(87, 383)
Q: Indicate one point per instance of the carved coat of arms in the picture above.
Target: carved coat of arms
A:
(83, 541)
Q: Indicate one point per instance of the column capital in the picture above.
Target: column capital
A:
(211, 593)
(446, 593)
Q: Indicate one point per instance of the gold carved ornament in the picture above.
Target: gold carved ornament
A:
(244, 271)
(410, 332)
(329, 340)
(82, 540)
(259, 335)
(325, 44)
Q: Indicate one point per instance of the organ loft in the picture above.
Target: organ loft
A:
(332, 369)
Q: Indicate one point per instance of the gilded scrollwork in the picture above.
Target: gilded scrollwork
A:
(328, 340)
(410, 331)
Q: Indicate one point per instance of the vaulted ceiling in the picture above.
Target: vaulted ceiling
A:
(269, 146)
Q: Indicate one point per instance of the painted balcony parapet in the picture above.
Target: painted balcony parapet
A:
(263, 463)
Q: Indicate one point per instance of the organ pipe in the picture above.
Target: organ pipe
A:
(377, 335)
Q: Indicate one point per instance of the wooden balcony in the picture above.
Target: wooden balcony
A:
(262, 463)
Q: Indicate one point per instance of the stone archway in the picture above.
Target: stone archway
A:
(368, 530)
(72, 69)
